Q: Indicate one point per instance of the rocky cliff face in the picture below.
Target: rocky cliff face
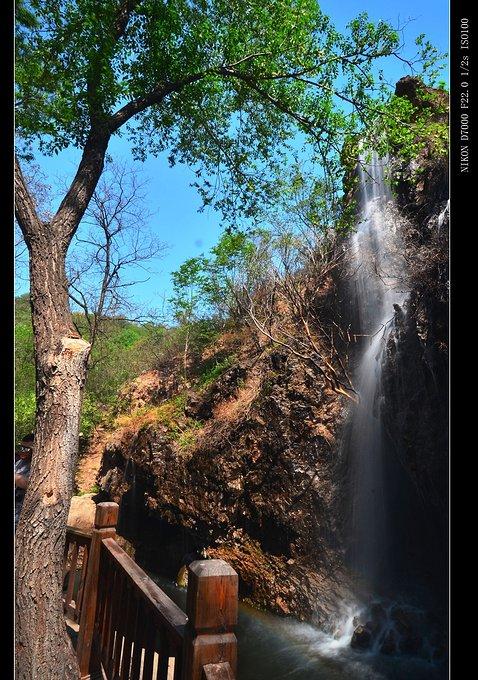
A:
(415, 377)
(252, 485)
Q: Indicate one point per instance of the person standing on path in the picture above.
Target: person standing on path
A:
(22, 472)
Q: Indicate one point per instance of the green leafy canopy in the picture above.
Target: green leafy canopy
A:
(221, 85)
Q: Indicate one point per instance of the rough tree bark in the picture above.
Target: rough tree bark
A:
(43, 649)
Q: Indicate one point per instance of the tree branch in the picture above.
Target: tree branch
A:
(25, 209)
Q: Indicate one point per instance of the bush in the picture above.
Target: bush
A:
(214, 371)
(92, 414)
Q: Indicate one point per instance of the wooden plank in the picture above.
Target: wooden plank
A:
(81, 588)
(107, 630)
(71, 576)
(166, 613)
(112, 641)
(178, 666)
(163, 661)
(120, 594)
(137, 648)
(100, 618)
(77, 536)
(103, 529)
(68, 548)
(106, 515)
(212, 614)
(149, 648)
(131, 618)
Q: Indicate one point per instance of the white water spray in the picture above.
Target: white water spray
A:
(376, 288)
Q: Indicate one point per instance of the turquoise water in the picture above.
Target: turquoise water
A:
(275, 648)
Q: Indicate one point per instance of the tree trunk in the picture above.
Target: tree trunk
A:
(43, 649)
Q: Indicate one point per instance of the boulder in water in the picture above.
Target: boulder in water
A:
(378, 613)
(361, 638)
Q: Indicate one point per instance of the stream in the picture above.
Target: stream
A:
(275, 648)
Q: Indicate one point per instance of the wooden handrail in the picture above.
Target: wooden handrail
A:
(105, 527)
(130, 628)
(212, 603)
(71, 533)
(166, 613)
(77, 548)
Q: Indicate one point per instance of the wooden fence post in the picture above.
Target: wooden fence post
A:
(106, 518)
(212, 614)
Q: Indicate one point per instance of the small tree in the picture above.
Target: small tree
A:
(188, 283)
(113, 247)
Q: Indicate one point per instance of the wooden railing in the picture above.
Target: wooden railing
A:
(129, 629)
(74, 572)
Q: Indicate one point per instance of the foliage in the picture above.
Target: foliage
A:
(91, 414)
(221, 86)
(228, 89)
(210, 374)
(408, 128)
(24, 369)
(181, 428)
(25, 405)
(301, 228)
(120, 361)
(204, 286)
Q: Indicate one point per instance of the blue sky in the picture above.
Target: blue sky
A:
(176, 221)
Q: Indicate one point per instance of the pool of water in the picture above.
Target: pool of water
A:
(275, 648)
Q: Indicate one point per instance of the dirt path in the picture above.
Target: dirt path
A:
(90, 462)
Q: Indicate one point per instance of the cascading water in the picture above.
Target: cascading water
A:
(384, 519)
(376, 289)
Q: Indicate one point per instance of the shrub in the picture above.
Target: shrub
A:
(214, 371)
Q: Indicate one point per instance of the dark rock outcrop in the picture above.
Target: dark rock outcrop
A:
(415, 375)
(361, 638)
(255, 488)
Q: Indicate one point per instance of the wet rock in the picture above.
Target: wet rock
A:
(361, 638)
(374, 627)
(405, 619)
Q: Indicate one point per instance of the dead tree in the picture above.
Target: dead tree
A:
(112, 248)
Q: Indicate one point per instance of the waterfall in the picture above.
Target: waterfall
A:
(376, 292)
